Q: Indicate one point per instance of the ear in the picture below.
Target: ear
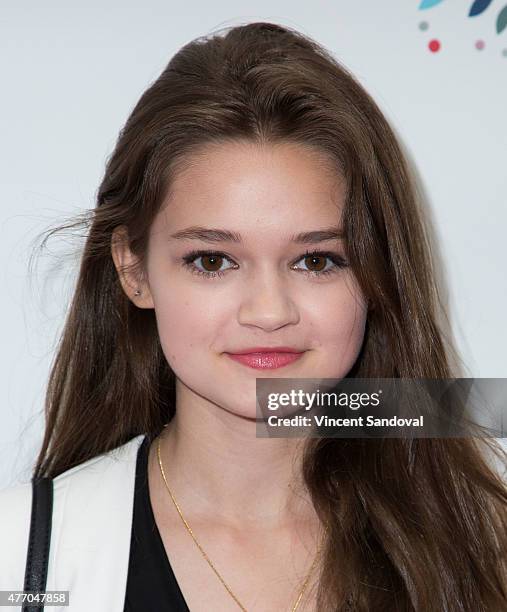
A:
(127, 266)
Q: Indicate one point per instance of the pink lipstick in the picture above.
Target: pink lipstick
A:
(263, 358)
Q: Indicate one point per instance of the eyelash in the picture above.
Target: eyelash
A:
(188, 262)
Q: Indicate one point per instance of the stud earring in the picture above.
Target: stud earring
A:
(137, 292)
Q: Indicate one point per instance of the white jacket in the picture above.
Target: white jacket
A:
(90, 535)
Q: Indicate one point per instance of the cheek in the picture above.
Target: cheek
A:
(185, 330)
(339, 328)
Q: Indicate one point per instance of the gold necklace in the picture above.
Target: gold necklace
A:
(305, 583)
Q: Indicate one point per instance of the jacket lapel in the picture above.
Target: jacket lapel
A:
(92, 522)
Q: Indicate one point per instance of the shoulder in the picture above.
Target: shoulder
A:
(70, 489)
(15, 507)
(102, 464)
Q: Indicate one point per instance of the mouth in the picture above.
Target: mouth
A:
(266, 360)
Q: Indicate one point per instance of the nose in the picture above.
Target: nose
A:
(267, 304)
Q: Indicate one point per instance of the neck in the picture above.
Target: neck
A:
(216, 466)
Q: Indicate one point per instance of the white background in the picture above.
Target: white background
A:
(72, 72)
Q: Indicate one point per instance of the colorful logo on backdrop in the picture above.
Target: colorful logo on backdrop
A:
(499, 22)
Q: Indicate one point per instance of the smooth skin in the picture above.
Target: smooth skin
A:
(242, 495)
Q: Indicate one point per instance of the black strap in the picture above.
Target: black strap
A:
(38, 541)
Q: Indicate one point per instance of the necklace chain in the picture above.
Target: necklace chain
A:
(187, 526)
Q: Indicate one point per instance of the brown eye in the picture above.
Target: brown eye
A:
(315, 263)
(211, 263)
(207, 263)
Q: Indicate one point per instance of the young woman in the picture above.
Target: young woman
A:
(256, 201)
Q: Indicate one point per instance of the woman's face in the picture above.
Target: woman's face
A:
(260, 289)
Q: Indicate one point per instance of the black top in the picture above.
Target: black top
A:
(151, 583)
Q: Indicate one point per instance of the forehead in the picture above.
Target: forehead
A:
(251, 188)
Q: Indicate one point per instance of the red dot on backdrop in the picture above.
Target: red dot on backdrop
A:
(434, 45)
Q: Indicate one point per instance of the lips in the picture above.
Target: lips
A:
(264, 359)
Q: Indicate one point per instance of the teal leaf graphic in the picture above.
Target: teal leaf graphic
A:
(426, 4)
(478, 7)
(501, 20)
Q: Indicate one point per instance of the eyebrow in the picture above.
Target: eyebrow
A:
(220, 235)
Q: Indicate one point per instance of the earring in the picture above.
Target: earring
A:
(137, 292)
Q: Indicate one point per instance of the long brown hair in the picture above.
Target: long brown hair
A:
(432, 537)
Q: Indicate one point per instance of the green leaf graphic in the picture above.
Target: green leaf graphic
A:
(501, 20)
